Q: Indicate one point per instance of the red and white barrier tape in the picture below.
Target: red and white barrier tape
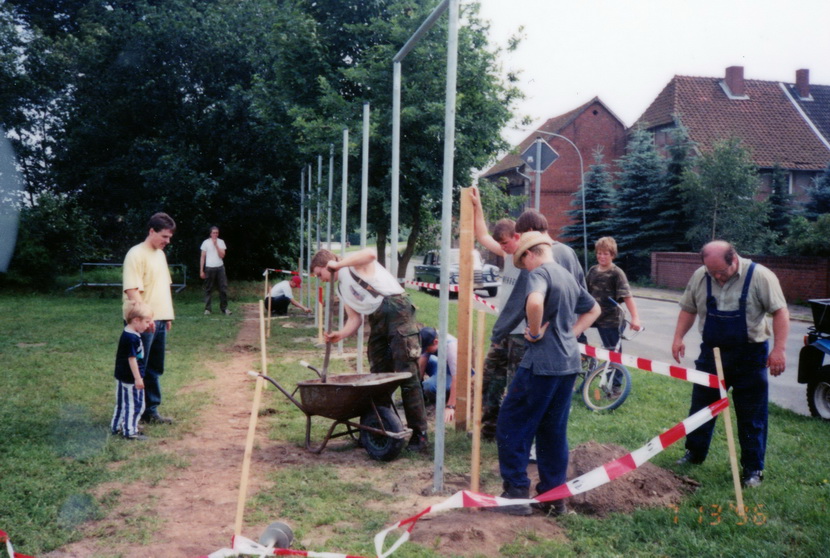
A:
(4, 538)
(244, 546)
(687, 374)
(453, 289)
(291, 271)
(590, 480)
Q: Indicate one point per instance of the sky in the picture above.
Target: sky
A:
(626, 51)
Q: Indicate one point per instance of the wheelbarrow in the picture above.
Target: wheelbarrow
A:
(347, 397)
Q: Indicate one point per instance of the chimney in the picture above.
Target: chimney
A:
(735, 80)
(802, 83)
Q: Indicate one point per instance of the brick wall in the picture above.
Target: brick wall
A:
(802, 278)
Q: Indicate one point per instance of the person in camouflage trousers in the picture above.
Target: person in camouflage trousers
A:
(366, 288)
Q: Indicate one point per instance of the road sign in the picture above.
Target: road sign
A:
(547, 155)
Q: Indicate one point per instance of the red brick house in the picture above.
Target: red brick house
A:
(782, 123)
(589, 127)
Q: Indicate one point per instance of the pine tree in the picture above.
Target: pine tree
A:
(666, 230)
(780, 204)
(599, 196)
(819, 202)
(640, 177)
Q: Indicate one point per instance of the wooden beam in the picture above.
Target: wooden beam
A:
(465, 312)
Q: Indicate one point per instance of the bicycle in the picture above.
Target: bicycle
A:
(605, 384)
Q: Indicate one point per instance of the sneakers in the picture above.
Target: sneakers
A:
(137, 437)
(419, 442)
(751, 479)
(207, 312)
(155, 418)
(689, 458)
(227, 312)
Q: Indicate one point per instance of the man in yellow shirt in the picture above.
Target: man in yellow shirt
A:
(146, 278)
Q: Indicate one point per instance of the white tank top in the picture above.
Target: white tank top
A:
(361, 300)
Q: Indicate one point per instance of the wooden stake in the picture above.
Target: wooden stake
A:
(249, 442)
(730, 440)
(465, 312)
(477, 386)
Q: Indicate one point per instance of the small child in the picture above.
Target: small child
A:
(606, 280)
(129, 373)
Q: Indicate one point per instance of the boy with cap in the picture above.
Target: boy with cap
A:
(538, 400)
(281, 295)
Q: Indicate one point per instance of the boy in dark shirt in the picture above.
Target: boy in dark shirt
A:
(129, 373)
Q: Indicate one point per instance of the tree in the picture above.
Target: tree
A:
(780, 205)
(720, 195)
(819, 203)
(599, 197)
(641, 175)
(368, 35)
(665, 230)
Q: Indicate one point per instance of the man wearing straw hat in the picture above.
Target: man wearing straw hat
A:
(538, 400)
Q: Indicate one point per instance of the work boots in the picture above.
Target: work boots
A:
(515, 493)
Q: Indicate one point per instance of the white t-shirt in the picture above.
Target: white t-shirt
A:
(212, 258)
(361, 300)
(283, 288)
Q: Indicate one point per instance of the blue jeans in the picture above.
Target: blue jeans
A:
(430, 383)
(154, 347)
(535, 406)
(744, 370)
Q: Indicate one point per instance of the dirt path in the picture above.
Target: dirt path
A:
(192, 511)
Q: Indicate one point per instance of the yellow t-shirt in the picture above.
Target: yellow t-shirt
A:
(146, 269)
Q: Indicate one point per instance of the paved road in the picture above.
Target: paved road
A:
(660, 317)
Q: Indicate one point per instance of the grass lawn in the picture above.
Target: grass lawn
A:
(56, 356)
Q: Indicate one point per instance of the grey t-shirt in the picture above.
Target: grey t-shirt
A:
(557, 352)
(512, 312)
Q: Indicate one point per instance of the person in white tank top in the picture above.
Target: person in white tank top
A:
(366, 288)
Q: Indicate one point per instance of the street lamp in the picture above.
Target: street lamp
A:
(581, 187)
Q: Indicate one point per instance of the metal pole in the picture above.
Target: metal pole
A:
(364, 202)
(317, 245)
(344, 187)
(538, 170)
(310, 300)
(446, 231)
(396, 127)
(396, 166)
(581, 187)
(302, 228)
(327, 325)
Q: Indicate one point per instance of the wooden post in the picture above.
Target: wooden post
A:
(465, 315)
(249, 442)
(730, 439)
(477, 383)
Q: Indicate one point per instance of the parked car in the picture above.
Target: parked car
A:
(811, 368)
(485, 276)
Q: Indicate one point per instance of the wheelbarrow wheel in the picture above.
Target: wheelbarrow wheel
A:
(378, 446)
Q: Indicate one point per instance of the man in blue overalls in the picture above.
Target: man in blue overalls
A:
(733, 296)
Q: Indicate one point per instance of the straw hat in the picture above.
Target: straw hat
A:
(527, 241)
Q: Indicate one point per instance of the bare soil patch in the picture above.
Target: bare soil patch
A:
(193, 510)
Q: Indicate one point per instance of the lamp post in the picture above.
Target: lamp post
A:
(581, 187)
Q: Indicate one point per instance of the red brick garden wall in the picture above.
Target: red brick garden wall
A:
(802, 278)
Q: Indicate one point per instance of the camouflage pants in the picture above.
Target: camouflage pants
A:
(394, 346)
(500, 366)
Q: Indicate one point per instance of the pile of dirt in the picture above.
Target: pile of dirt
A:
(193, 511)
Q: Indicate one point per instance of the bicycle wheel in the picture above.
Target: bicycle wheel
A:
(606, 387)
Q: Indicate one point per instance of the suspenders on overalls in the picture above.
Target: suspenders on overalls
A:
(726, 328)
